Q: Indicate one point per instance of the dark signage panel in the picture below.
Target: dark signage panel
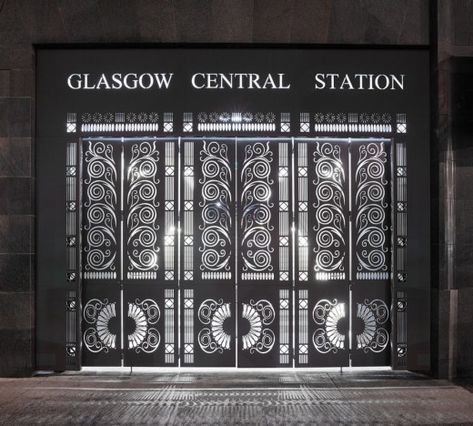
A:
(233, 207)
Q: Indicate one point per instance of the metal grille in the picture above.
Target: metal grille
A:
(258, 221)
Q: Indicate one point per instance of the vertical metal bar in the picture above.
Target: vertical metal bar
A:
(293, 229)
(236, 249)
(179, 233)
(393, 163)
(122, 184)
(79, 255)
(350, 251)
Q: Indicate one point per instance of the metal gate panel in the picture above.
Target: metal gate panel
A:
(149, 252)
(264, 206)
(371, 310)
(150, 325)
(208, 211)
(322, 331)
(322, 251)
(265, 252)
(129, 234)
(371, 324)
(371, 210)
(322, 211)
(150, 212)
(101, 303)
(264, 326)
(208, 252)
(101, 325)
(101, 197)
(208, 326)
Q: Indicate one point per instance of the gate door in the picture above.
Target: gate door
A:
(343, 252)
(129, 256)
(236, 252)
(264, 244)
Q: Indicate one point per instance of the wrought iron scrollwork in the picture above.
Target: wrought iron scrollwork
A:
(330, 244)
(327, 337)
(214, 338)
(371, 204)
(256, 216)
(216, 247)
(100, 211)
(97, 336)
(375, 315)
(144, 337)
(259, 338)
(142, 219)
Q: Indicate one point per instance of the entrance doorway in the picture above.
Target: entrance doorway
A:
(249, 252)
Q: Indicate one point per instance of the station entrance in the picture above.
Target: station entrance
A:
(236, 251)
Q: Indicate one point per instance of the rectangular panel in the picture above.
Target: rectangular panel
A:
(150, 326)
(371, 210)
(208, 326)
(150, 212)
(371, 305)
(101, 325)
(371, 327)
(322, 326)
(101, 210)
(264, 200)
(208, 209)
(264, 326)
(322, 210)
(101, 303)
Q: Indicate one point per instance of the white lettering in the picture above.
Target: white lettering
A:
(319, 81)
(74, 81)
(163, 80)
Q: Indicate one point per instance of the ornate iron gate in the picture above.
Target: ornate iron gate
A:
(129, 252)
(255, 223)
(343, 221)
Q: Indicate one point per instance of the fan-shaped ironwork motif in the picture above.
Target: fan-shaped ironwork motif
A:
(144, 337)
(214, 338)
(327, 337)
(97, 314)
(374, 315)
(259, 338)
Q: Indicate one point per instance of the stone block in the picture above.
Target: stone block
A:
(310, 21)
(16, 352)
(16, 234)
(15, 157)
(272, 21)
(464, 333)
(156, 20)
(22, 83)
(347, 22)
(16, 195)
(16, 271)
(82, 20)
(193, 20)
(119, 20)
(232, 21)
(4, 83)
(20, 116)
(16, 311)
(4, 118)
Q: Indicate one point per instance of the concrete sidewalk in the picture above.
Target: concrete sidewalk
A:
(256, 397)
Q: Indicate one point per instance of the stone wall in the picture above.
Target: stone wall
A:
(452, 168)
(24, 23)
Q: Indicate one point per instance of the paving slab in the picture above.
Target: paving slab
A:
(249, 397)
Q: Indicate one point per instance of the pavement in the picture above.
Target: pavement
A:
(234, 397)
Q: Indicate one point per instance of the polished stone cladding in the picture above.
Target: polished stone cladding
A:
(262, 398)
(446, 25)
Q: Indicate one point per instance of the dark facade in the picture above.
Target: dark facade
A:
(445, 27)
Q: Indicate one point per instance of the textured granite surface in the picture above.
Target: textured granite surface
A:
(235, 398)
